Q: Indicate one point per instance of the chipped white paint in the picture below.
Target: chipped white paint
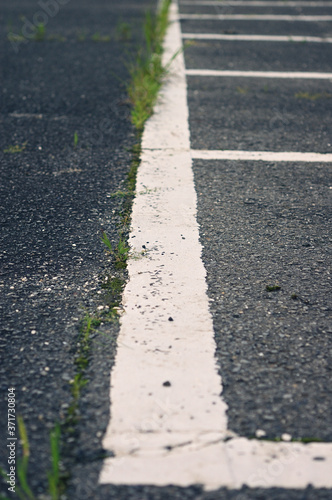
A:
(168, 421)
(255, 38)
(166, 332)
(254, 3)
(254, 17)
(259, 74)
(219, 154)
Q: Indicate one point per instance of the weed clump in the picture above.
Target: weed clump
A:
(147, 72)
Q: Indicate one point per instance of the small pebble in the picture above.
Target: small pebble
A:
(260, 433)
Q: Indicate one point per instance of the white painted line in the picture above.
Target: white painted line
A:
(255, 38)
(269, 156)
(253, 17)
(258, 74)
(254, 3)
(168, 422)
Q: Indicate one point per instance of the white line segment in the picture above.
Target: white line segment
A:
(257, 3)
(258, 74)
(255, 38)
(168, 421)
(198, 154)
(253, 17)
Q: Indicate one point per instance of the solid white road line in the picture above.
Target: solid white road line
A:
(258, 74)
(165, 385)
(255, 38)
(253, 17)
(200, 154)
(254, 3)
(168, 422)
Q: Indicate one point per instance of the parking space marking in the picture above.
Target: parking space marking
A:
(258, 74)
(254, 17)
(268, 156)
(254, 3)
(168, 420)
(256, 38)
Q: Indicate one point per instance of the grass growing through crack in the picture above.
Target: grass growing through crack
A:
(56, 483)
(147, 72)
(118, 253)
(24, 490)
(146, 79)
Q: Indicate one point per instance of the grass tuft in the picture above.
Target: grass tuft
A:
(147, 72)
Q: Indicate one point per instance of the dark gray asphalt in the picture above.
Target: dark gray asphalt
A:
(233, 27)
(55, 198)
(261, 224)
(257, 56)
(265, 224)
(260, 114)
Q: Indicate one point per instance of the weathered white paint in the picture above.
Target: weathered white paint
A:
(269, 156)
(230, 464)
(254, 3)
(255, 38)
(168, 421)
(167, 282)
(254, 17)
(259, 74)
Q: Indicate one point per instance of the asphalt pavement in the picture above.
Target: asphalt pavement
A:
(264, 226)
(65, 147)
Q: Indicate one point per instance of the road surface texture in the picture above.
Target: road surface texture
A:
(55, 198)
(263, 224)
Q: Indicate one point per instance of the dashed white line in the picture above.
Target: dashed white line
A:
(168, 421)
(258, 74)
(256, 38)
(254, 17)
(268, 156)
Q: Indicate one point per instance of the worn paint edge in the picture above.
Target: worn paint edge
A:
(256, 38)
(268, 156)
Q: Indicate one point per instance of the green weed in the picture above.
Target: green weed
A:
(16, 149)
(81, 363)
(75, 139)
(147, 72)
(54, 474)
(313, 97)
(121, 194)
(123, 32)
(15, 38)
(55, 484)
(119, 253)
(24, 490)
(40, 33)
(272, 288)
(97, 37)
(106, 241)
(242, 90)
